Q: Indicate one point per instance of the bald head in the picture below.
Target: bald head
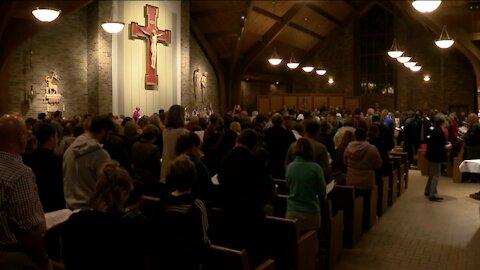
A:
(12, 134)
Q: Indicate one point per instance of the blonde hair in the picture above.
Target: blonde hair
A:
(112, 181)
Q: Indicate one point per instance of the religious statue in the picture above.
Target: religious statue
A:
(203, 83)
(153, 46)
(51, 88)
(197, 77)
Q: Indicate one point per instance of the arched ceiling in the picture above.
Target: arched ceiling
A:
(243, 34)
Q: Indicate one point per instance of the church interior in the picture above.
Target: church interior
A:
(300, 56)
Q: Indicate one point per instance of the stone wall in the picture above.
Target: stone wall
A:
(211, 94)
(60, 46)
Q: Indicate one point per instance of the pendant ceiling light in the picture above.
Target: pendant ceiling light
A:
(321, 71)
(293, 63)
(403, 59)
(308, 68)
(415, 68)
(275, 59)
(426, 5)
(395, 51)
(410, 64)
(113, 27)
(444, 41)
(46, 14)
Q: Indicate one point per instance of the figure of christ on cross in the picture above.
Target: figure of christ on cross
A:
(152, 35)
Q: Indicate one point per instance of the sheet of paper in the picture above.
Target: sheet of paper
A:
(215, 180)
(57, 217)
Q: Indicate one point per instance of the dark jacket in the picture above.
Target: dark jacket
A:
(436, 146)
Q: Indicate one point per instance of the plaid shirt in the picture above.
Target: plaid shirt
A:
(20, 206)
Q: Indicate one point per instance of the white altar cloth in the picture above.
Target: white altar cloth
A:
(470, 165)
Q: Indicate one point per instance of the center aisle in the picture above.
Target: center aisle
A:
(416, 233)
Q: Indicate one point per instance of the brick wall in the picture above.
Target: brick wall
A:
(211, 94)
(60, 46)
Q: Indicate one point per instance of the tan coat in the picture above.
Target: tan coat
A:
(362, 159)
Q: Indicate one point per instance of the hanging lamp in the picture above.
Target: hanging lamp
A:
(113, 27)
(275, 59)
(415, 68)
(444, 41)
(293, 63)
(321, 70)
(395, 51)
(426, 6)
(308, 68)
(409, 64)
(404, 59)
(46, 14)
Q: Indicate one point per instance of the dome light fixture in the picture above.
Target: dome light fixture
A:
(46, 14)
(395, 51)
(415, 68)
(444, 42)
(410, 64)
(308, 68)
(403, 59)
(321, 71)
(113, 27)
(426, 6)
(275, 59)
(293, 63)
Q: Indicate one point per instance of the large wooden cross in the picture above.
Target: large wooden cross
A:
(152, 35)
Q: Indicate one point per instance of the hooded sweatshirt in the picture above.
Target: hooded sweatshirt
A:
(81, 163)
(361, 159)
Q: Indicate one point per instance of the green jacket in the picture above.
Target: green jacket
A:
(306, 185)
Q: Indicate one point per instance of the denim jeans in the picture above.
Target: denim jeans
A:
(433, 175)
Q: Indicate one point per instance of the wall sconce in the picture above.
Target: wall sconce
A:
(426, 78)
(330, 80)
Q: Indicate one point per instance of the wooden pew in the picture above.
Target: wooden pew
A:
(397, 164)
(344, 198)
(221, 258)
(281, 186)
(280, 205)
(456, 174)
(332, 232)
(288, 247)
(405, 166)
(369, 206)
(382, 202)
(393, 187)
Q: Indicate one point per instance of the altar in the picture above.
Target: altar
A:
(470, 166)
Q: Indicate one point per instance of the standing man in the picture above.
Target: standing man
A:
(83, 160)
(436, 154)
(22, 221)
(472, 145)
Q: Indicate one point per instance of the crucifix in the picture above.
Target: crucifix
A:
(152, 35)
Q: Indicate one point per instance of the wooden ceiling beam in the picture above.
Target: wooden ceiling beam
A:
(352, 5)
(210, 12)
(324, 14)
(241, 33)
(267, 14)
(306, 31)
(221, 34)
(269, 37)
(5, 6)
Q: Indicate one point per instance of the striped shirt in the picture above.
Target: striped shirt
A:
(20, 206)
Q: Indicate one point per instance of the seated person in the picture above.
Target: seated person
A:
(94, 239)
(181, 230)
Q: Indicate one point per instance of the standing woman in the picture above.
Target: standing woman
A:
(436, 154)
(306, 185)
(174, 127)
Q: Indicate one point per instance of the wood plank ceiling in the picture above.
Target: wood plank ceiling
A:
(243, 34)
